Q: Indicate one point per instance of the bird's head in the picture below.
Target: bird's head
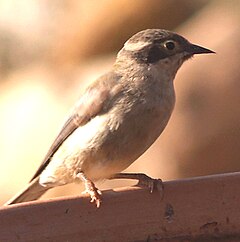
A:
(159, 47)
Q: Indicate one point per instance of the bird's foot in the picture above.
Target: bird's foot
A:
(91, 189)
(94, 193)
(151, 183)
(143, 180)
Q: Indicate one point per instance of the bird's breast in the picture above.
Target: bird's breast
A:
(138, 124)
(110, 142)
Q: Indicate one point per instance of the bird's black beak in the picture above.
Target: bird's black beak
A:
(196, 49)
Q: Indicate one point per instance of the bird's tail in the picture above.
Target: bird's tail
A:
(33, 191)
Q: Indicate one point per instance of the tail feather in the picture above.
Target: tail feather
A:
(32, 192)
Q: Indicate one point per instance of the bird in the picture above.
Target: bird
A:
(117, 118)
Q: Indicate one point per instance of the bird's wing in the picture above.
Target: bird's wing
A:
(92, 103)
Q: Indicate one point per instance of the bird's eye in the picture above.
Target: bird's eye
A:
(170, 45)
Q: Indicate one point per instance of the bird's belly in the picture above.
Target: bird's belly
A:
(106, 145)
(126, 141)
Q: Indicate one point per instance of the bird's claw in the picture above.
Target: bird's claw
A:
(143, 180)
(150, 183)
(94, 193)
(90, 189)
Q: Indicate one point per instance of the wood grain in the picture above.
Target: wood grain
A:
(197, 209)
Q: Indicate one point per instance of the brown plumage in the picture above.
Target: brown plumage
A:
(118, 117)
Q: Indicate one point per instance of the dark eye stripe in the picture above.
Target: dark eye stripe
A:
(155, 54)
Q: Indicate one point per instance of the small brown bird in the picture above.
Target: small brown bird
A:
(117, 118)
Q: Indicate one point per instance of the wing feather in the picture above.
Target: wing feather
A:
(89, 105)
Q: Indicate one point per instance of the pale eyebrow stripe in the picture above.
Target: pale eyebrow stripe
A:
(135, 46)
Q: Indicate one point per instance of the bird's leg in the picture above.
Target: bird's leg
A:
(143, 180)
(90, 189)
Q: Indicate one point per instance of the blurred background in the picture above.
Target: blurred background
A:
(50, 50)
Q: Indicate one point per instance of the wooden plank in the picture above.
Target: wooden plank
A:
(197, 209)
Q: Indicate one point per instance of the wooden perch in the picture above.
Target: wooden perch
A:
(197, 209)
